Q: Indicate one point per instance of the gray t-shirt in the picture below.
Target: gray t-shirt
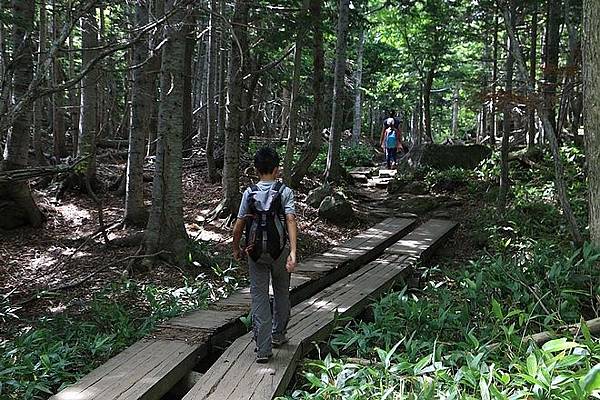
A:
(287, 198)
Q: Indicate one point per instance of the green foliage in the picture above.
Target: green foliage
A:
(462, 336)
(40, 361)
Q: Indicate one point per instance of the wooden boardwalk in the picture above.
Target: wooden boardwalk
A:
(151, 367)
(236, 376)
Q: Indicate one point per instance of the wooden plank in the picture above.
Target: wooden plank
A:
(148, 369)
(112, 381)
(236, 376)
(209, 320)
(424, 239)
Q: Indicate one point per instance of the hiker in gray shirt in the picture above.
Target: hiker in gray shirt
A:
(268, 216)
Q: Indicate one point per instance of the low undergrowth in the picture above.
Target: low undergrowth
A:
(465, 333)
(463, 336)
(49, 354)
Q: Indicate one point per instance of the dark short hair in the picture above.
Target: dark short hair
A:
(266, 160)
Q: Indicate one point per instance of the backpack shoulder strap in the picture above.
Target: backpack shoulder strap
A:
(278, 187)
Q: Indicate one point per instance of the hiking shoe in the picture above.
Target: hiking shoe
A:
(279, 341)
(263, 359)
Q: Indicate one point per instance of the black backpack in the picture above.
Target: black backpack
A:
(266, 232)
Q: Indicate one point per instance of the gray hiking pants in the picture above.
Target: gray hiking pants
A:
(266, 325)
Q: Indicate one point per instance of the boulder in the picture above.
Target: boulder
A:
(336, 209)
(444, 157)
(413, 204)
(415, 187)
(316, 196)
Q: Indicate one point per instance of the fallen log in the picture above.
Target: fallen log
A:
(573, 329)
(20, 175)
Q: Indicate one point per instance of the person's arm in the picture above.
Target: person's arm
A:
(292, 228)
(238, 229)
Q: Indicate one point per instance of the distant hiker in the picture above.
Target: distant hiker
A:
(268, 214)
(390, 142)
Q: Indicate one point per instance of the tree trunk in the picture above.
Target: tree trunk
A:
(166, 231)
(427, 101)
(19, 207)
(507, 120)
(58, 115)
(575, 97)
(142, 96)
(494, 127)
(311, 150)
(74, 99)
(293, 131)
(190, 44)
(559, 178)
(223, 68)
(89, 95)
(356, 127)
(455, 109)
(532, 129)
(591, 93)
(212, 110)
(333, 170)
(154, 68)
(235, 104)
(551, 59)
(39, 126)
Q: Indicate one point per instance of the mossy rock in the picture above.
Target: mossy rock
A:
(336, 209)
(447, 156)
(413, 204)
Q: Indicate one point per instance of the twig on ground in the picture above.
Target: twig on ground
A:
(87, 277)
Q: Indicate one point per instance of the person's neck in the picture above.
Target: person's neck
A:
(268, 177)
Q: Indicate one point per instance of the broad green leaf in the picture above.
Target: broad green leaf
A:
(559, 345)
(532, 365)
(497, 309)
(484, 390)
(591, 381)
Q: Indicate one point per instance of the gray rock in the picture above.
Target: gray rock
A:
(441, 214)
(316, 196)
(336, 209)
(415, 188)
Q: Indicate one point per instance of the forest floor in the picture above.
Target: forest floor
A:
(59, 268)
(72, 301)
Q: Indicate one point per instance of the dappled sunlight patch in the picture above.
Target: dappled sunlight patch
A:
(73, 214)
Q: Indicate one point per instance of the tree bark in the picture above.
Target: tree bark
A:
(293, 131)
(142, 96)
(333, 170)
(559, 178)
(190, 44)
(311, 150)
(39, 126)
(89, 95)
(531, 129)
(166, 231)
(17, 142)
(591, 93)
(235, 103)
(494, 127)
(58, 115)
(573, 75)
(455, 109)
(356, 127)
(427, 101)
(212, 110)
(223, 68)
(551, 59)
(507, 120)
